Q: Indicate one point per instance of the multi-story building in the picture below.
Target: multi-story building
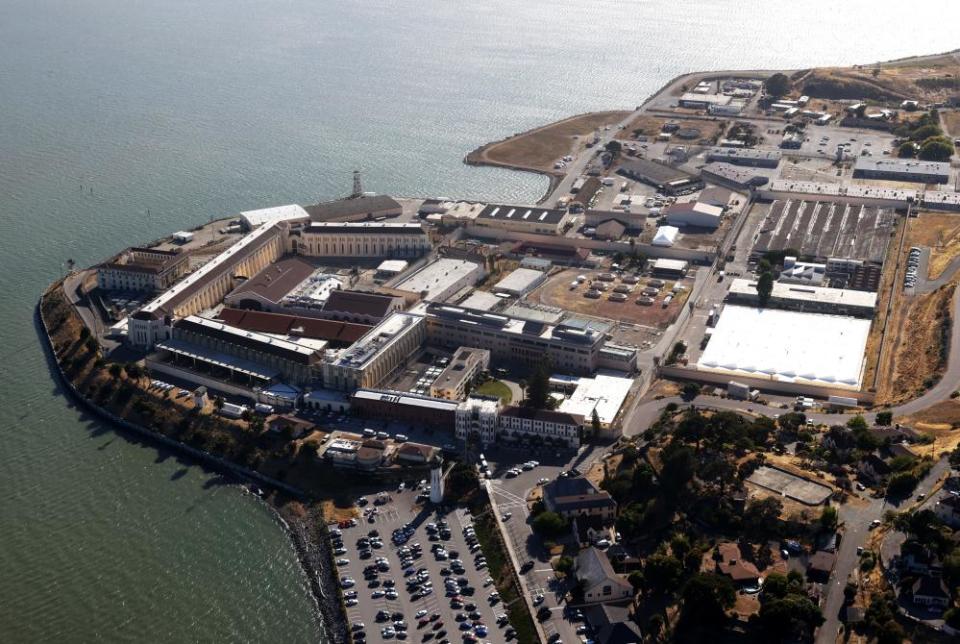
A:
(376, 355)
(142, 269)
(576, 496)
(206, 287)
(466, 365)
(523, 219)
(442, 278)
(912, 170)
(478, 416)
(201, 342)
(569, 349)
(483, 417)
(361, 239)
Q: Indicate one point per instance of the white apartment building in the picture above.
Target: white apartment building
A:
(493, 424)
(478, 415)
(142, 269)
(466, 365)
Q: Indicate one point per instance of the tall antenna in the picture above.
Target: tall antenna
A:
(357, 184)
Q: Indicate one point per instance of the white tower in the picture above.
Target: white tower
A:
(436, 480)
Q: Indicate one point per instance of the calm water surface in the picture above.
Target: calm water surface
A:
(192, 109)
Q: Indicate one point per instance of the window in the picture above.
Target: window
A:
(607, 590)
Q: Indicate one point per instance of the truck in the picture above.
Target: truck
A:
(804, 402)
(575, 188)
(740, 391)
(843, 401)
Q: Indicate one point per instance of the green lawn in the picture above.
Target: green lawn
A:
(495, 388)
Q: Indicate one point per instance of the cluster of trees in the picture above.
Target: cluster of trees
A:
(765, 282)
(777, 85)
(786, 611)
(926, 139)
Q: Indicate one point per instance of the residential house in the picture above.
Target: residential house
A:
(575, 496)
(821, 565)
(731, 563)
(931, 592)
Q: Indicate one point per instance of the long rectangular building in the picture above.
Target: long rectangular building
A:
(911, 170)
(821, 230)
(661, 176)
(361, 240)
(749, 157)
(569, 350)
(142, 269)
(814, 299)
(525, 219)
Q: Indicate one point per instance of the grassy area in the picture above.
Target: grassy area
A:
(495, 388)
(498, 563)
(941, 233)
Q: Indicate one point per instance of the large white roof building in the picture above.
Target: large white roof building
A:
(787, 346)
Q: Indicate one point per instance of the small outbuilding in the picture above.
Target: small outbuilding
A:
(666, 236)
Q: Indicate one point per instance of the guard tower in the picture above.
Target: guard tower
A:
(357, 184)
(436, 480)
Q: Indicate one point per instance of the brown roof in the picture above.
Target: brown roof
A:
(359, 302)
(822, 561)
(733, 565)
(282, 324)
(611, 229)
(545, 415)
(276, 280)
(590, 188)
(415, 449)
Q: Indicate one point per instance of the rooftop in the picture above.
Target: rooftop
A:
(351, 208)
(438, 275)
(378, 338)
(360, 303)
(652, 171)
(427, 403)
(481, 301)
(257, 218)
(908, 166)
(531, 214)
(279, 323)
(796, 292)
(520, 280)
(366, 227)
(276, 280)
(288, 349)
(604, 393)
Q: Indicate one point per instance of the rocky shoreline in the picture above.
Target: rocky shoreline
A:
(306, 530)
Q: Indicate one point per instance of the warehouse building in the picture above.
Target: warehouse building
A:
(481, 301)
(671, 268)
(520, 282)
(814, 299)
(693, 214)
(695, 101)
(664, 178)
(361, 240)
(376, 355)
(360, 307)
(604, 394)
(337, 334)
(509, 339)
(142, 269)
(821, 230)
(912, 170)
(735, 177)
(443, 278)
(292, 213)
(466, 365)
(750, 157)
(787, 346)
(523, 219)
(268, 289)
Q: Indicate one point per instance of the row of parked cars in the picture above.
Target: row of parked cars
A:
(913, 265)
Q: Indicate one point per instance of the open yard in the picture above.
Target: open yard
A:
(941, 233)
(495, 388)
(649, 125)
(557, 292)
(540, 148)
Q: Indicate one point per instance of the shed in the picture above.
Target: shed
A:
(610, 230)
(666, 236)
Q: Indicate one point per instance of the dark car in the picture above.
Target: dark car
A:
(526, 567)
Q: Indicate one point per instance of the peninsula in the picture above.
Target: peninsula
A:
(707, 385)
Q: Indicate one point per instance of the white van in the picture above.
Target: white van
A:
(401, 438)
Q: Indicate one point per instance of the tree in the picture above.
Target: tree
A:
(614, 147)
(829, 518)
(690, 390)
(777, 85)
(925, 132)
(710, 595)
(636, 579)
(538, 389)
(133, 370)
(858, 423)
(549, 524)
(115, 370)
(936, 148)
(907, 150)
(218, 403)
(884, 418)
(595, 422)
(564, 565)
(764, 288)
(901, 484)
(662, 574)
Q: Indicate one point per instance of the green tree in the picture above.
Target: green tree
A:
(907, 150)
(777, 85)
(549, 524)
(690, 390)
(925, 132)
(662, 574)
(595, 422)
(857, 423)
(115, 370)
(901, 484)
(936, 148)
(829, 518)
(564, 565)
(884, 418)
(636, 579)
(133, 370)
(614, 147)
(764, 288)
(538, 389)
(706, 599)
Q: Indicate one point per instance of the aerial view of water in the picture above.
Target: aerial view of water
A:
(123, 120)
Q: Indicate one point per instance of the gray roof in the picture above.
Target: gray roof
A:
(905, 166)
(353, 209)
(594, 568)
(622, 633)
(651, 171)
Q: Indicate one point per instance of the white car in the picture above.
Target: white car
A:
(488, 581)
(506, 516)
(421, 613)
(343, 562)
(543, 481)
(391, 594)
(377, 594)
(351, 602)
(538, 599)
(346, 582)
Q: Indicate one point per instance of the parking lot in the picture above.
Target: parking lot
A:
(476, 609)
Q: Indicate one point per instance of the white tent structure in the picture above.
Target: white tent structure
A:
(666, 236)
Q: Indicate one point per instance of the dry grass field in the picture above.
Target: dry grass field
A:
(941, 233)
(929, 79)
(649, 125)
(540, 148)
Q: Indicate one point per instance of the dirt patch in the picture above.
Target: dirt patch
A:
(336, 513)
(557, 292)
(650, 125)
(939, 232)
(918, 352)
(941, 422)
(951, 122)
(888, 289)
(537, 150)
